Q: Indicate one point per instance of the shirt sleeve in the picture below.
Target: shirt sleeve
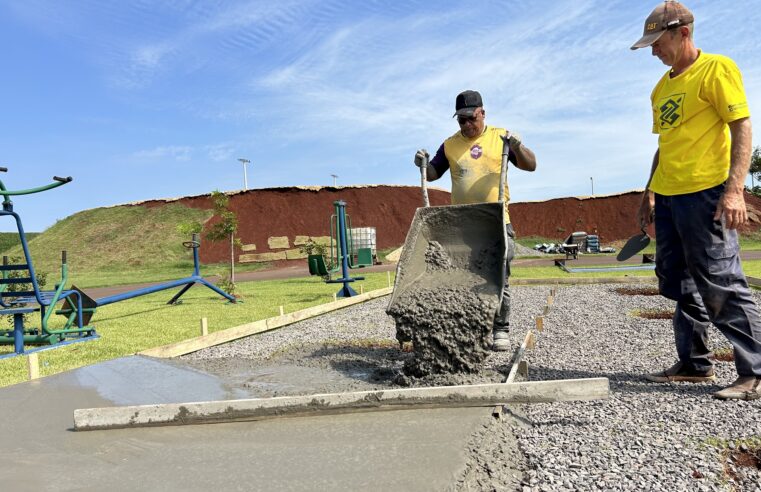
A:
(440, 162)
(726, 93)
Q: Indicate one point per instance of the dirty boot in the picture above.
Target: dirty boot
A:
(744, 388)
(501, 342)
(678, 372)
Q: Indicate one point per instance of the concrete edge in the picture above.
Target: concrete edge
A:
(207, 412)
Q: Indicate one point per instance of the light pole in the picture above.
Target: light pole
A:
(591, 180)
(335, 176)
(245, 177)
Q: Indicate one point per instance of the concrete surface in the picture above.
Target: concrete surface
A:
(401, 450)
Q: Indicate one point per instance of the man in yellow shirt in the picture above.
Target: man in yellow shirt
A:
(473, 155)
(695, 197)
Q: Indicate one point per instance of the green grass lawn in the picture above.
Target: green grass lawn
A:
(105, 277)
(144, 322)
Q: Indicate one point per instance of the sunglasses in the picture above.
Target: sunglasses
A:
(466, 119)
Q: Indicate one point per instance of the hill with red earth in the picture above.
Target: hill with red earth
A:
(273, 222)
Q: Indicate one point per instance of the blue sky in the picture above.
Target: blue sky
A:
(149, 99)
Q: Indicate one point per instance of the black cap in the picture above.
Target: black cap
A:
(467, 102)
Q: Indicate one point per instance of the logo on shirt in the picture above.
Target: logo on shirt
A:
(671, 111)
(476, 151)
(736, 107)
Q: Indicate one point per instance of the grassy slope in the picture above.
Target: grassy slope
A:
(119, 245)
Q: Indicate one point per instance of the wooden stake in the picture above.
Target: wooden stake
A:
(546, 310)
(531, 341)
(204, 327)
(33, 365)
(539, 323)
(550, 300)
(361, 289)
(282, 312)
(523, 369)
(335, 296)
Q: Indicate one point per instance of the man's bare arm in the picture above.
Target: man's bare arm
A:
(647, 204)
(524, 158)
(732, 202)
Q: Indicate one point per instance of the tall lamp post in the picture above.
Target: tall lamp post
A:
(591, 180)
(335, 176)
(245, 176)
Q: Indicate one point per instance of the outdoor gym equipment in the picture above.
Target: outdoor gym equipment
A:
(78, 307)
(341, 257)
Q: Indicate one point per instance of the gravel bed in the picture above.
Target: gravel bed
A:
(645, 437)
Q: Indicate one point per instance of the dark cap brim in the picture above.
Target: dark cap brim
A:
(647, 40)
(464, 112)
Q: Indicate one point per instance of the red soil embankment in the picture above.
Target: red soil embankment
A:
(306, 211)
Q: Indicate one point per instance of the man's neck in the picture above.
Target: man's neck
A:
(689, 56)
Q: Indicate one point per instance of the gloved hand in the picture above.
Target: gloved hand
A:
(421, 158)
(513, 141)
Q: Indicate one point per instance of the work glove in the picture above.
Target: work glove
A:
(421, 158)
(513, 141)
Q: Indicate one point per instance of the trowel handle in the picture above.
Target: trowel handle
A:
(424, 181)
(503, 169)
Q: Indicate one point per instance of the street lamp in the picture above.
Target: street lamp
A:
(245, 177)
(591, 180)
(334, 179)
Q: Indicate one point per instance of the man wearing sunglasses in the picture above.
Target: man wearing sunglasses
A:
(473, 155)
(695, 197)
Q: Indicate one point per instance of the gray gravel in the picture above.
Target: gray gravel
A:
(645, 437)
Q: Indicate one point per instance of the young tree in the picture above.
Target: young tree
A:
(755, 167)
(225, 228)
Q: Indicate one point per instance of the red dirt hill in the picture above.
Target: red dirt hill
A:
(305, 211)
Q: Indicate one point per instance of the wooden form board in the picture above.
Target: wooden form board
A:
(477, 395)
(230, 334)
(528, 342)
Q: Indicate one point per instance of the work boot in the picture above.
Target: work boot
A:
(744, 388)
(678, 373)
(501, 342)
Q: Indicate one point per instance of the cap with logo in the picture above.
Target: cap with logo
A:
(467, 102)
(668, 15)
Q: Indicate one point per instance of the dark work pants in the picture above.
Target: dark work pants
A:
(698, 266)
(502, 318)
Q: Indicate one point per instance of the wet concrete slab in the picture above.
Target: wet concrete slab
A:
(405, 450)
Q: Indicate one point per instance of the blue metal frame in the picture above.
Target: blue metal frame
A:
(346, 290)
(188, 282)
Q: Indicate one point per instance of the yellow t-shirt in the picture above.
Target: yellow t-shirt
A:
(690, 115)
(475, 165)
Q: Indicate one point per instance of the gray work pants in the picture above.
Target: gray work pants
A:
(502, 318)
(698, 266)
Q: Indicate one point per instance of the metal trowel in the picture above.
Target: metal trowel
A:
(634, 245)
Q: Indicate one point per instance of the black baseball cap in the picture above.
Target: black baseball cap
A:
(467, 102)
